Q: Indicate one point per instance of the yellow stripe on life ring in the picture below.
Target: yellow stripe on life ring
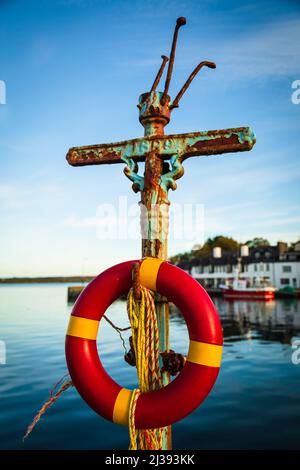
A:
(121, 408)
(148, 272)
(205, 354)
(83, 327)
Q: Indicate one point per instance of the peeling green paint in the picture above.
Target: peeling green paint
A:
(184, 145)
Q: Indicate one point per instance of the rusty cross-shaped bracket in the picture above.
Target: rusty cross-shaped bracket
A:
(155, 112)
(154, 148)
(163, 154)
(176, 148)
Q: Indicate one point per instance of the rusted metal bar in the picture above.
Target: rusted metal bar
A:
(159, 73)
(191, 144)
(205, 63)
(181, 21)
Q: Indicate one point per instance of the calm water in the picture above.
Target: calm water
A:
(255, 403)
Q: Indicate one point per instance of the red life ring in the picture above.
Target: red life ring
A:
(188, 390)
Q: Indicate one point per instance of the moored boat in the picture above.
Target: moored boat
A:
(240, 289)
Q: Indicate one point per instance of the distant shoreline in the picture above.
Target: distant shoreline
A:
(45, 280)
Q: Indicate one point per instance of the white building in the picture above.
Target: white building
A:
(278, 265)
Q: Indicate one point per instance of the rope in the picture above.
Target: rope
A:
(118, 330)
(52, 399)
(54, 395)
(145, 340)
(132, 431)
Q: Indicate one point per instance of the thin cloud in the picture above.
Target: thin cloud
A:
(84, 222)
(13, 196)
(236, 221)
(272, 51)
(243, 180)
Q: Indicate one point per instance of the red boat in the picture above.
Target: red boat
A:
(240, 290)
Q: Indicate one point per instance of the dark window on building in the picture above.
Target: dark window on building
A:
(286, 269)
(284, 282)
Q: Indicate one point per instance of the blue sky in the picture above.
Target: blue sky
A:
(73, 72)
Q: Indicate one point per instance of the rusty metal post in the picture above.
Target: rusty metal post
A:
(163, 156)
(155, 212)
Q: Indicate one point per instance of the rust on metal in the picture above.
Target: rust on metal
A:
(155, 205)
(181, 21)
(205, 63)
(159, 73)
(186, 145)
(172, 362)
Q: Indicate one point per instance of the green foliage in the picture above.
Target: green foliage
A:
(257, 241)
(226, 243)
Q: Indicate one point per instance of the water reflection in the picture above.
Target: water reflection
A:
(254, 404)
(271, 321)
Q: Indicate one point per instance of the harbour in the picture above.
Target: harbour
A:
(255, 402)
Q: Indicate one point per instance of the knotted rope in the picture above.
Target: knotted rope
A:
(145, 340)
